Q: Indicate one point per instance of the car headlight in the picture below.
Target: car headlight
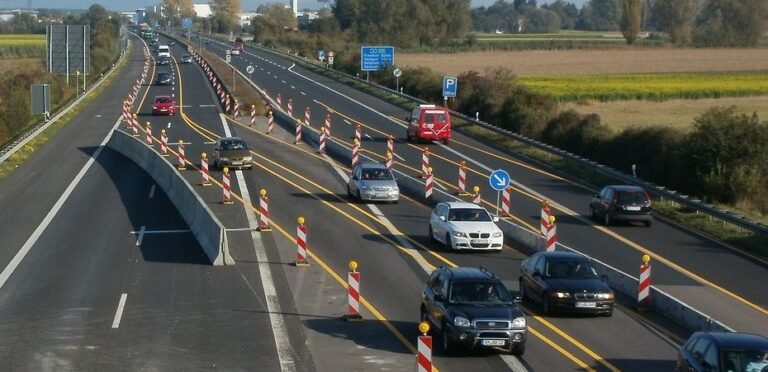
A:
(518, 322)
(605, 296)
(459, 234)
(364, 186)
(497, 234)
(248, 158)
(561, 294)
(154, 107)
(461, 321)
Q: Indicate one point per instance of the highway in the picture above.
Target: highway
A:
(116, 239)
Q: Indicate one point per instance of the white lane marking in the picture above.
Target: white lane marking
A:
(140, 238)
(279, 330)
(169, 125)
(152, 192)
(292, 87)
(513, 363)
(283, 81)
(274, 76)
(159, 231)
(303, 94)
(201, 106)
(399, 157)
(368, 136)
(347, 121)
(16, 260)
(119, 313)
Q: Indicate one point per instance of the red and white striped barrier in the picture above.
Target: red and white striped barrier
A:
(462, 187)
(644, 286)
(182, 157)
(301, 244)
(290, 107)
(506, 202)
(476, 195)
(545, 212)
(321, 145)
(355, 153)
(327, 124)
(391, 144)
(424, 347)
(163, 143)
(237, 109)
(424, 162)
(428, 184)
(148, 131)
(204, 170)
(359, 133)
(279, 100)
(389, 160)
(226, 189)
(227, 104)
(297, 140)
(135, 126)
(264, 211)
(353, 293)
(551, 235)
(270, 122)
(306, 116)
(253, 115)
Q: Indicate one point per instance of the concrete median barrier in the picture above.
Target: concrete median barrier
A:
(206, 228)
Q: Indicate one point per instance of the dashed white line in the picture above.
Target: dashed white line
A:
(119, 313)
(140, 238)
(347, 121)
(292, 87)
(303, 94)
(152, 192)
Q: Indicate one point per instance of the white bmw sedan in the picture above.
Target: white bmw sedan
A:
(465, 226)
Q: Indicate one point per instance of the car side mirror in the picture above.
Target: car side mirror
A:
(495, 219)
(439, 298)
(442, 218)
(536, 272)
(518, 299)
(354, 178)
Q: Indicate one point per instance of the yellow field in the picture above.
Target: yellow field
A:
(9, 40)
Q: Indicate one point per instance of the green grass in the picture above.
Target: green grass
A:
(22, 45)
(650, 86)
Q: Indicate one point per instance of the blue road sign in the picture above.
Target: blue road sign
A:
(450, 85)
(186, 22)
(321, 55)
(375, 58)
(499, 179)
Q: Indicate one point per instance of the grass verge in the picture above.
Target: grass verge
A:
(13, 162)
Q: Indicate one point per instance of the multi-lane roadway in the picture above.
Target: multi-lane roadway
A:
(113, 249)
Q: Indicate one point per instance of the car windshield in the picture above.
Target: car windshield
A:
(570, 269)
(477, 293)
(163, 75)
(632, 197)
(377, 174)
(233, 145)
(468, 214)
(163, 100)
(186, 56)
(745, 360)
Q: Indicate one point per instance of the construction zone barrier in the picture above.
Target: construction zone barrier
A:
(353, 293)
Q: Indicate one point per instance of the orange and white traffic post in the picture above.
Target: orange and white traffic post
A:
(424, 346)
(644, 285)
(148, 131)
(506, 202)
(462, 187)
(270, 122)
(545, 212)
(301, 244)
(298, 132)
(425, 162)
(428, 184)
(237, 109)
(551, 241)
(353, 294)
(226, 189)
(253, 115)
(306, 116)
(359, 133)
(204, 170)
(264, 211)
(391, 144)
(279, 100)
(476, 195)
(163, 142)
(321, 145)
(182, 157)
(328, 124)
(290, 107)
(389, 160)
(135, 125)
(355, 153)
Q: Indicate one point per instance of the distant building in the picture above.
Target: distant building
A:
(246, 17)
(304, 18)
(203, 10)
(7, 15)
(295, 7)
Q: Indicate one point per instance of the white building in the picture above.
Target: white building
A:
(295, 7)
(203, 10)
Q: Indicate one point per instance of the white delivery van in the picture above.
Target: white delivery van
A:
(163, 50)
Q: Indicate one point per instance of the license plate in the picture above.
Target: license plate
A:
(237, 163)
(634, 209)
(586, 305)
(493, 342)
(479, 241)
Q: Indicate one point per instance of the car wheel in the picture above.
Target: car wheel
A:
(608, 314)
(648, 223)
(448, 346)
(431, 234)
(517, 350)
(349, 192)
(448, 244)
(593, 213)
(408, 136)
(522, 290)
(607, 219)
(424, 317)
(546, 305)
(445, 141)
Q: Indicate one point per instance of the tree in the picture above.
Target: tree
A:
(675, 17)
(176, 9)
(274, 21)
(631, 19)
(226, 13)
(732, 22)
(600, 15)
(567, 12)
(542, 20)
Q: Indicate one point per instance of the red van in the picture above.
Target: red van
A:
(429, 123)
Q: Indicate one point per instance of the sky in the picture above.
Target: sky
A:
(247, 4)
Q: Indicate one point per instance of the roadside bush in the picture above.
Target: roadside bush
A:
(525, 111)
(577, 133)
(423, 83)
(652, 149)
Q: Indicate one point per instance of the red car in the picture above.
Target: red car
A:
(164, 105)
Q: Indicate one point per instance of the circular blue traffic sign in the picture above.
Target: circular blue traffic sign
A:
(499, 179)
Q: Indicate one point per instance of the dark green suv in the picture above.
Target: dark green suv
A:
(470, 309)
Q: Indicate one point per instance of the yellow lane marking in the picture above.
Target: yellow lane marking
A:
(557, 347)
(578, 344)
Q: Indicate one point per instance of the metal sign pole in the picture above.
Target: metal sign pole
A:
(498, 194)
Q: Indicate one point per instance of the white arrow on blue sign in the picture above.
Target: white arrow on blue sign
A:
(499, 179)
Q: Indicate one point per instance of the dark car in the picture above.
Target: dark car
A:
(721, 351)
(231, 152)
(565, 282)
(470, 308)
(163, 60)
(163, 78)
(621, 203)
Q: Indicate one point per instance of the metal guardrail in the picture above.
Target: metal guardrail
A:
(661, 192)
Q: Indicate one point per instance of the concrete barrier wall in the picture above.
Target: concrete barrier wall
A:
(206, 228)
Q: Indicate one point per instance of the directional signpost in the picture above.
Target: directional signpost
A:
(499, 181)
(397, 72)
(375, 58)
(250, 70)
(229, 56)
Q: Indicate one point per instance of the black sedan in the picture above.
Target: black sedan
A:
(621, 203)
(163, 78)
(565, 282)
(721, 351)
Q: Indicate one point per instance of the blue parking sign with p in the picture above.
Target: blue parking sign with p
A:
(450, 85)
